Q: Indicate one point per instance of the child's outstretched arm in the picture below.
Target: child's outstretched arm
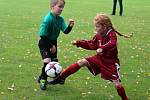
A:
(70, 25)
(85, 44)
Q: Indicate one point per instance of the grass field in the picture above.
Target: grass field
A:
(20, 61)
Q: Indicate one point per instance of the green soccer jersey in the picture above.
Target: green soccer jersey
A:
(51, 26)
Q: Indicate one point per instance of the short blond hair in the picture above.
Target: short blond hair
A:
(54, 2)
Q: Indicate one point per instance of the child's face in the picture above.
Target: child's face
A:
(58, 8)
(99, 28)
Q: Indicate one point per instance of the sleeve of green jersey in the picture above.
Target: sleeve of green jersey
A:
(64, 25)
(44, 26)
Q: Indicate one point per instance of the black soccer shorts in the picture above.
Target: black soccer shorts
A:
(45, 50)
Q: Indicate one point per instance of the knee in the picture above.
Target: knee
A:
(82, 62)
(46, 60)
(117, 84)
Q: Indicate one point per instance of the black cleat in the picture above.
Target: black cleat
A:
(56, 81)
(43, 84)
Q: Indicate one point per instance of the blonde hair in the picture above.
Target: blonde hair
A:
(54, 2)
(105, 21)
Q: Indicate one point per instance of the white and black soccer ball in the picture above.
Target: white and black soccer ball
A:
(53, 69)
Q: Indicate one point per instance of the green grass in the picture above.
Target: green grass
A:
(20, 61)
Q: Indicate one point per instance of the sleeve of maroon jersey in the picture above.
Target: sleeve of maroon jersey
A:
(111, 43)
(87, 44)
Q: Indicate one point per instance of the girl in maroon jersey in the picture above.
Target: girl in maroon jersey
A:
(105, 62)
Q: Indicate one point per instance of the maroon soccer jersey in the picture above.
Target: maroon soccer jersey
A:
(107, 62)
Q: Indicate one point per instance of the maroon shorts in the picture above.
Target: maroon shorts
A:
(109, 69)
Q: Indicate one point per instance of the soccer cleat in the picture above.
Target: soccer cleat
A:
(56, 81)
(43, 84)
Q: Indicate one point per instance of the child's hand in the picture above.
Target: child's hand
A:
(53, 49)
(99, 51)
(71, 22)
(74, 42)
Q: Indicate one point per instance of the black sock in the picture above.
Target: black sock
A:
(43, 74)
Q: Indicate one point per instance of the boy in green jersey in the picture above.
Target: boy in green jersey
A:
(49, 31)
